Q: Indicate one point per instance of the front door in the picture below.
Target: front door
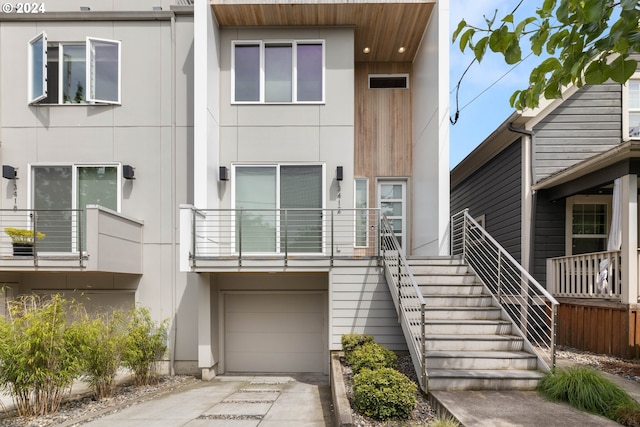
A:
(392, 201)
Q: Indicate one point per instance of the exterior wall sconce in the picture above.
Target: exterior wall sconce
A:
(339, 173)
(156, 8)
(128, 172)
(224, 173)
(9, 172)
(85, 8)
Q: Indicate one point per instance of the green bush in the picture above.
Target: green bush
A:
(101, 343)
(586, 389)
(351, 341)
(628, 415)
(383, 394)
(38, 357)
(145, 344)
(372, 356)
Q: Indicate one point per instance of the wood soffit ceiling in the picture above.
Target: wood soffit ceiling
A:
(383, 26)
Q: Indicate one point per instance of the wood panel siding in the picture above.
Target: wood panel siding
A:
(384, 27)
(586, 124)
(494, 191)
(383, 139)
(599, 327)
(549, 233)
(360, 302)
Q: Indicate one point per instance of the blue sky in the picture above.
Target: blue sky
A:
(483, 106)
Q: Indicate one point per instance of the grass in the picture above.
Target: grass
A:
(588, 390)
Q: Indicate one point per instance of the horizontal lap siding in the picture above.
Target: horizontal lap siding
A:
(361, 303)
(548, 239)
(494, 190)
(586, 124)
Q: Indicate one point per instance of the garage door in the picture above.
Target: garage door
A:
(275, 332)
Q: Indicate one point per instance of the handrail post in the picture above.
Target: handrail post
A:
(332, 240)
(240, 239)
(80, 235)
(193, 237)
(499, 277)
(423, 340)
(34, 227)
(286, 237)
(554, 328)
(464, 235)
(399, 284)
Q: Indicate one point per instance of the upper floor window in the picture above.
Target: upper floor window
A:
(278, 72)
(634, 108)
(79, 72)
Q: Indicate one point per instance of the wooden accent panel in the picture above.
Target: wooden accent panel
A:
(382, 26)
(383, 135)
(605, 328)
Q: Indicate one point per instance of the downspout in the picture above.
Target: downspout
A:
(173, 196)
(533, 201)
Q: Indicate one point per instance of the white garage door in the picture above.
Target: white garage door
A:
(275, 332)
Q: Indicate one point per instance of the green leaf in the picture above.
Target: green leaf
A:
(539, 38)
(480, 48)
(522, 25)
(508, 18)
(594, 10)
(622, 69)
(466, 38)
(547, 8)
(596, 73)
(628, 4)
(562, 13)
(461, 25)
(513, 54)
(500, 39)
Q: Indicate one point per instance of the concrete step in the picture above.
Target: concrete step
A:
(419, 270)
(440, 289)
(483, 360)
(469, 327)
(461, 342)
(447, 279)
(501, 379)
(458, 301)
(461, 313)
(436, 260)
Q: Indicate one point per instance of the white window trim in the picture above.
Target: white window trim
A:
(355, 231)
(626, 110)
(88, 62)
(278, 231)
(31, 96)
(294, 75)
(580, 200)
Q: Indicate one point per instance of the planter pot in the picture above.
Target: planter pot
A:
(22, 249)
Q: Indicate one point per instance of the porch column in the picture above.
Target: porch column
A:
(629, 196)
(205, 349)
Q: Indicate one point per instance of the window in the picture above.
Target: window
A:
(634, 108)
(361, 204)
(61, 189)
(260, 190)
(278, 72)
(74, 73)
(588, 224)
(388, 81)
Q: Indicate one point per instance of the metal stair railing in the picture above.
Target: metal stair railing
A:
(407, 298)
(530, 307)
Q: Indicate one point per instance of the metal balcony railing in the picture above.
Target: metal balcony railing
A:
(530, 307)
(241, 234)
(30, 234)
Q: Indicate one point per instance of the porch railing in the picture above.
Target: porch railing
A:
(593, 275)
(283, 233)
(407, 298)
(46, 234)
(531, 308)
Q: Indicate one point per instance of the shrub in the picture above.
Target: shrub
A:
(371, 356)
(628, 415)
(145, 344)
(383, 394)
(444, 421)
(351, 341)
(100, 343)
(38, 358)
(586, 389)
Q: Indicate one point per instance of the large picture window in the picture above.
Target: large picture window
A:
(278, 72)
(74, 73)
(296, 190)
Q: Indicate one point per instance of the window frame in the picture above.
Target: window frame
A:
(90, 61)
(388, 76)
(592, 199)
(628, 110)
(355, 205)
(262, 45)
(276, 166)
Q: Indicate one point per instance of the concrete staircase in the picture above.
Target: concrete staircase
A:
(468, 345)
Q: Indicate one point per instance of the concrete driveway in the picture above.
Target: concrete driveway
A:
(235, 401)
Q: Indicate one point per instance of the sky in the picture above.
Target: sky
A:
(484, 92)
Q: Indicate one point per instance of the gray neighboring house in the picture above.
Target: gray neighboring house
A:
(558, 188)
(96, 125)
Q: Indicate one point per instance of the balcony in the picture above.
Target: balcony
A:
(242, 238)
(96, 239)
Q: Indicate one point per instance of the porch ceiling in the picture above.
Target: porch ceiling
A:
(382, 26)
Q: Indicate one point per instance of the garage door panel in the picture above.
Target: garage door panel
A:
(278, 332)
(266, 322)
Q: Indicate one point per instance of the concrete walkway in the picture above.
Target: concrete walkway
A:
(234, 401)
